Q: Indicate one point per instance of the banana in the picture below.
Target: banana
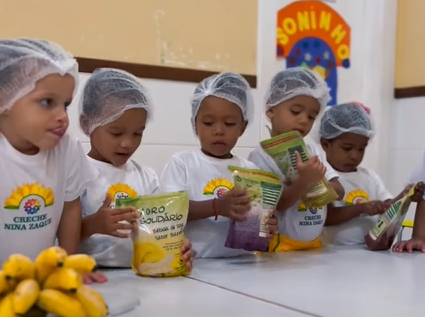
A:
(6, 308)
(63, 279)
(93, 303)
(25, 296)
(19, 267)
(47, 261)
(61, 304)
(6, 285)
(82, 263)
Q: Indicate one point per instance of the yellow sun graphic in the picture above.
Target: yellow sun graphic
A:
(217, 187)
(356, 197)
(121, 191)
(20, 193)
(302, 207)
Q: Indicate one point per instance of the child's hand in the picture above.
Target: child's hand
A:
(409, 246)
(311, 171)
(111, 221)
(234, 204)
(272, 223)
(188, 254)
(419, 192)
(376, 207)
(94, 277)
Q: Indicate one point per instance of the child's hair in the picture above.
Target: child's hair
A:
(107, 94)
(230, 86)
(345, 118)
(297, 81)
(23, 62)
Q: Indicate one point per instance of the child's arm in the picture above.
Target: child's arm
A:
(69, 230)
(417, 242)
(339, 215)
(338, 188)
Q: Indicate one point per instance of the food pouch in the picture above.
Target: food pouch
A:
(264, 190)
(282, 149)
(383, 233)
(158, 241)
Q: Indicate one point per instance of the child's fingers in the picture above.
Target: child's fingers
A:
(124, 226)
(298, 159)
(128, 215)
(119, 234)
(241, 208)
(236, 192)
(120, 211)
(241, 200)
(237, 216)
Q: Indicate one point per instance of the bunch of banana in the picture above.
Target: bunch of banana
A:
(51, 284)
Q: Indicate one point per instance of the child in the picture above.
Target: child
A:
(222, 107)
(296, 97)
(417, 242)
(345, 131)
(43, 169)
(114, 111)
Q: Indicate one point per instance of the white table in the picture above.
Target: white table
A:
(169, 297)
(333, 282)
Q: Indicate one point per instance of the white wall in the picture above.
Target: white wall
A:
(394, 150)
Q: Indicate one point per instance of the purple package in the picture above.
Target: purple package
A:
(245, 234)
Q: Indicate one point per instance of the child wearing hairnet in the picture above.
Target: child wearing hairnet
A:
(114, 111)
(43, 169)
(222, 107)
(345, 131)
(295, 98)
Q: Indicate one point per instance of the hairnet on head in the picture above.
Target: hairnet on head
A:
(108, 93)
(23, 62)
(345, 118)
(230, 86)
(294, 82)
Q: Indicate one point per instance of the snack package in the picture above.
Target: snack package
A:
(383, 233)
(264, 190)
(158, 241)
(282, 149)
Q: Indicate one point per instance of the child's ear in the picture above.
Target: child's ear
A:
(244, 125)
(269, 113)
(325, 144)
(84, 124)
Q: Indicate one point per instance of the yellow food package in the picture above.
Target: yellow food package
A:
(282, 150)
(158, 241)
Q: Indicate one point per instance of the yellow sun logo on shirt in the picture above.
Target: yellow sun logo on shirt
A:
(356, 197)
(121, 191)
(217, 187)
(31, 197)
(302, 207)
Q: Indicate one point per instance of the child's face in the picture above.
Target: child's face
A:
(345, 152)
(296, 114)
(219, 124)
(39, 120)
(116, 142)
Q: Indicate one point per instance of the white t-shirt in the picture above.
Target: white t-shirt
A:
(33, 189)
(298, 222)
(361, 186)
(127, 181)
(204, 178)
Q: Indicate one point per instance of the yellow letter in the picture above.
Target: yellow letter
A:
(343, 52)
(325, 20)
(282, 37)
(339, 33)
(289, 26)
(313, 19)
(303, 21)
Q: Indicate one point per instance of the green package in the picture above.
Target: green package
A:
(282, 149)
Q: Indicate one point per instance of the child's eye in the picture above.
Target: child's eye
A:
(312, 118)
(296, 113)
(208, 123)
(346, 149)
(116, 133)
(230, 124)
(47, 102)
(138, 133)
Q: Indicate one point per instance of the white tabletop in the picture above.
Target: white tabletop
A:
(333, 282)
(183, 297)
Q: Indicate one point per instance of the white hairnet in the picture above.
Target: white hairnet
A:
(108, 93)
(345, 118)
(230, 86)
(297, 81)
(23, 62)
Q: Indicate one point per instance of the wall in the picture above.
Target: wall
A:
(370, 79)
